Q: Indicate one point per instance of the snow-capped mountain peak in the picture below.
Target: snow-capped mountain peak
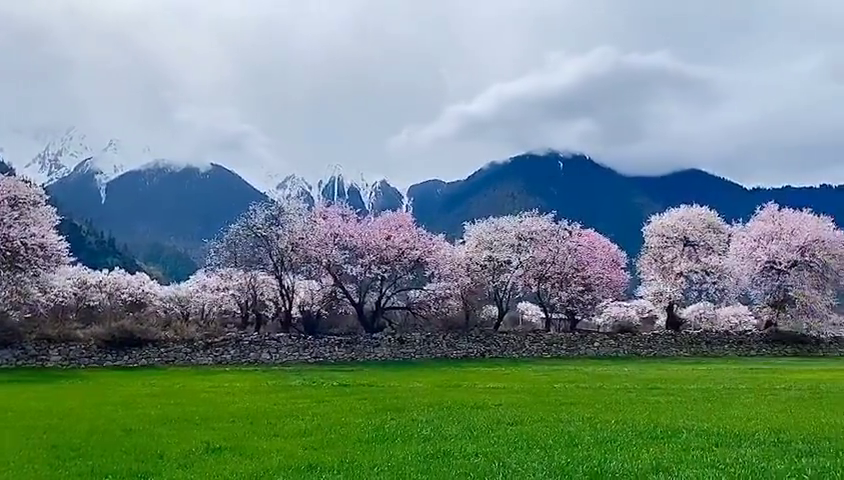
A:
(294, 186)
(46, 155)
(104, 165)
(335, 187)
(55, 157)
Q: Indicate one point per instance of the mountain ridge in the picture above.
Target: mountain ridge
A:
(581, 189)
(184, 204)
(44, 155)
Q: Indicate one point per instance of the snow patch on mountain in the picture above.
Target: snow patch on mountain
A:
(370, 191)
(170, 165)
(332, 187)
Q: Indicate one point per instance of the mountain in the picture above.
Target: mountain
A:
(574, 186)
(165, 211)
(166, 263)
(335, 189)
(162, 202)
(736, 202)
(579, 188)
(363, 196)
(385, 197)
(293, 186)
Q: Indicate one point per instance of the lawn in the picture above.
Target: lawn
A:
(739, 418)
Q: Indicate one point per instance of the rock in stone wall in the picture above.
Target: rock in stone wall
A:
(285, 349)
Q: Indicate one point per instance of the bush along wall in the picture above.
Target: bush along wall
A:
(237, 349)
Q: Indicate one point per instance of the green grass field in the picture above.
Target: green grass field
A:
(741, 418)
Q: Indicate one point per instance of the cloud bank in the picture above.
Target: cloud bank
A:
(752, 90)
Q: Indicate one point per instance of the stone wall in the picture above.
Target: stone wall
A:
(281, 349)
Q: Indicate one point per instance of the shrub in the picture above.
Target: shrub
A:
(328, 324)
(124, 334)
(627, 316)
(704, 316)
(453, 323)
(182, 330)
(618, 317)
(699, 316)
(311, 323)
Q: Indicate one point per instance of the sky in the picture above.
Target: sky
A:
(409, 90)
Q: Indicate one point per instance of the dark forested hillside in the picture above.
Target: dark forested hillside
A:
(92, 248)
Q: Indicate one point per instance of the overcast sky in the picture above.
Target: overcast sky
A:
(407, 89)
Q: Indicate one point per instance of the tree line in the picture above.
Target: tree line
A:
(286, 264)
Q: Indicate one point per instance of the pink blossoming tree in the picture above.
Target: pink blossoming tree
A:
(203, 298)
(378, 265)
(253, 295)
(79, 294)
(572, 270)
(499, 251)
(30, 245)
(600, 274)
(463, 291)
(791, 263)
(549, 265)
(267, 238)
(684, 258)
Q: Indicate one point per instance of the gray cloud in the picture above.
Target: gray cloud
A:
(408, 90)
(602, 99)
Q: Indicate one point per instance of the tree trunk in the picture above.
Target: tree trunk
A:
(673, 322)
(362, 319)
(499, 320)
(369, 322)
(286, 322)
(259, 321)
(772, 323)
(244, 319)
(547, 315)
(572, 320)
(467, 319)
